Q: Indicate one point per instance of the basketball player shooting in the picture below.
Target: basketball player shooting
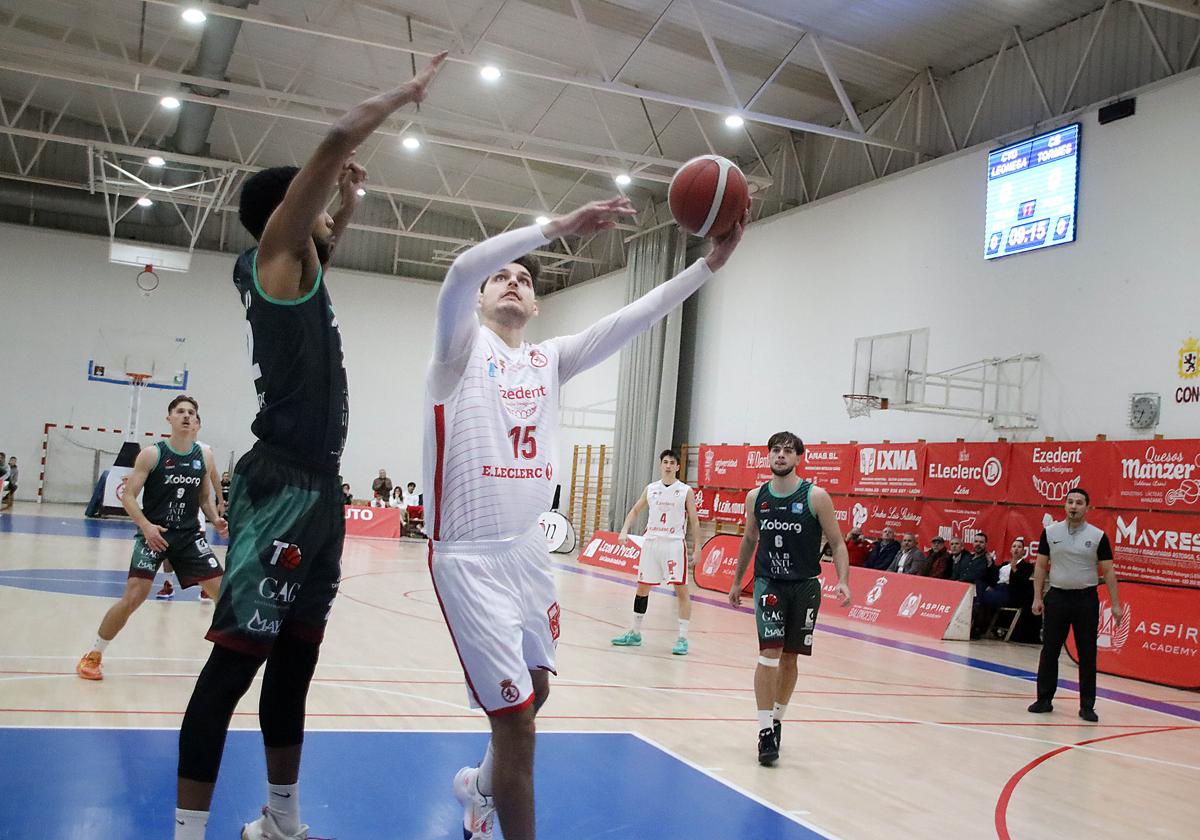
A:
(285, 504)
(491, 440)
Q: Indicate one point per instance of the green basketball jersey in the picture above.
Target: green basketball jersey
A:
(171, 495)
(789, 535)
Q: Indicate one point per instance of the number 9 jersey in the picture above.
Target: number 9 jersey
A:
(491, 444)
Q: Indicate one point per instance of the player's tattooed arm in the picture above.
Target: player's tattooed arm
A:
(146, 461)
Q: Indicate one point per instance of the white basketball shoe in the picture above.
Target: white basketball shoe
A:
(265, 828)
(479, 811)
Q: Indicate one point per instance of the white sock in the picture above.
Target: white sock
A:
(637, 622)
(284, 802)
(100, 644)
(764, 719)
(683, 628)
(780, 711)
(190, 825)
(484, 780)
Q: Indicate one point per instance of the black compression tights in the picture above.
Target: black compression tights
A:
(225, 678)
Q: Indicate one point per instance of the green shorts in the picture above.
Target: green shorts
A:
(286, 527)
(786, 613)
(187, 551)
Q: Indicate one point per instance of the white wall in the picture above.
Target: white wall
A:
(775, 329)
(55, 288)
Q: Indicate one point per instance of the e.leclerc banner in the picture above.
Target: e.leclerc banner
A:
(1161, 474)
(378, 523)
(890, 469)
(1043, 473)
(1157, 639)
(975, 472)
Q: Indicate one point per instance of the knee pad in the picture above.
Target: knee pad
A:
(768, 662)
(281, 705)
(641, 603)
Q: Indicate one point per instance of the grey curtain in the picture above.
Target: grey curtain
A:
(649, 374)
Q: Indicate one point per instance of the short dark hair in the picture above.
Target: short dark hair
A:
(261, 194)
(981, 534)
(345, 486)
(786, 439)
(412, 484)
(529, 262)
(1087, 500)
(670, 452)
(182, 398)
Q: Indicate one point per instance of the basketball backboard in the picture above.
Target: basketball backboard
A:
(118, 354)
(891, 366)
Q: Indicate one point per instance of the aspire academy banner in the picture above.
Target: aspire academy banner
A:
(1157, 639)
(717, 563)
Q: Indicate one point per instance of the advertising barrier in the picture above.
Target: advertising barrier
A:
(1162, 474)
(604, 551)
(1156, 547)
(377, 523)
(974, 472)
(1156, 640)
(1043, 473)
(890, 469)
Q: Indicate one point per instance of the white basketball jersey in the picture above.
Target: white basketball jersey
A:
(492, 443)
(668, 509)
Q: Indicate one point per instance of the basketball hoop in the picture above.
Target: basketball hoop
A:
(861, 405)
(138, 380)
(147, 279)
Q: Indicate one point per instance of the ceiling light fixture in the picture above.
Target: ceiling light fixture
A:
(623, 180)
(734, 121)
(490, 73)
(156, 160)
(144, 202)
(169, 102)
(194, 16)
(411, 143)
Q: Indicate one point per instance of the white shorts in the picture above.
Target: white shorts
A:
(663, 560)
(501, 606)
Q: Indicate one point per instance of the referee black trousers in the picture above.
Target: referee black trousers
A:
(1069, 609)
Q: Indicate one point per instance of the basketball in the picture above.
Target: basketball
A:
(708, 194)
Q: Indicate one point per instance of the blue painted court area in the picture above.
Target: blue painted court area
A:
(61, 526)
(120, 783)
(102, 583)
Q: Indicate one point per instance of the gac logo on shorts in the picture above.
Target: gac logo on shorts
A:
(508, 691)
(553, 613)
(285, 555)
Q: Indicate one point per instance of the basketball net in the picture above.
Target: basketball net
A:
(861, 405)
(139, 381)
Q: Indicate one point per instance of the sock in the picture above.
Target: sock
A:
(764, 719)
(284, 802)
(780, 711)
(99, 645)
(637, 622)
(683, 628)
(190, 825)
(484, 780)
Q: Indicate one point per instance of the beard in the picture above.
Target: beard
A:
(778, 471)
(324, 250)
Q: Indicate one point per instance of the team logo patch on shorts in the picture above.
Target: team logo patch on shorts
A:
(553, 614)
(508, 691)
(285, 555)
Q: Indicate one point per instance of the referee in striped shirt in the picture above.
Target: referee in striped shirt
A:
(1072, 550)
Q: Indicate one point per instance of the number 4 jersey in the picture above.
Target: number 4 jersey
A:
(492, 442)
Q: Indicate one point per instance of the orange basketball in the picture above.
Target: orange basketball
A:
(708, 195)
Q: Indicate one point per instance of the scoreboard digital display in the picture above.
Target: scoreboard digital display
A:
(1032, 193)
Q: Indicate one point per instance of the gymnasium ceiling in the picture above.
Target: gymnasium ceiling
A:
(589, 89)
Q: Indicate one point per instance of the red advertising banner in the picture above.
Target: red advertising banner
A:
(962, 521)
(703, 503)
(379, 523)
(756, 468)
(873, 515)
(1157, 639)
(890, 469)
(843, 507)
(831, 465)
(1028, 522)
(938, 609)
(974, 472)
(604, 551)
(1157, 474)
(721, 466)
(717, 563)
(1043, 473)
(729, 506)
(1156, 547)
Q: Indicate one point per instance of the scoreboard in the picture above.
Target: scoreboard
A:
(1032, 193)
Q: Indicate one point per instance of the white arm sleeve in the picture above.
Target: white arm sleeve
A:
(587, 349)
(457, 325)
